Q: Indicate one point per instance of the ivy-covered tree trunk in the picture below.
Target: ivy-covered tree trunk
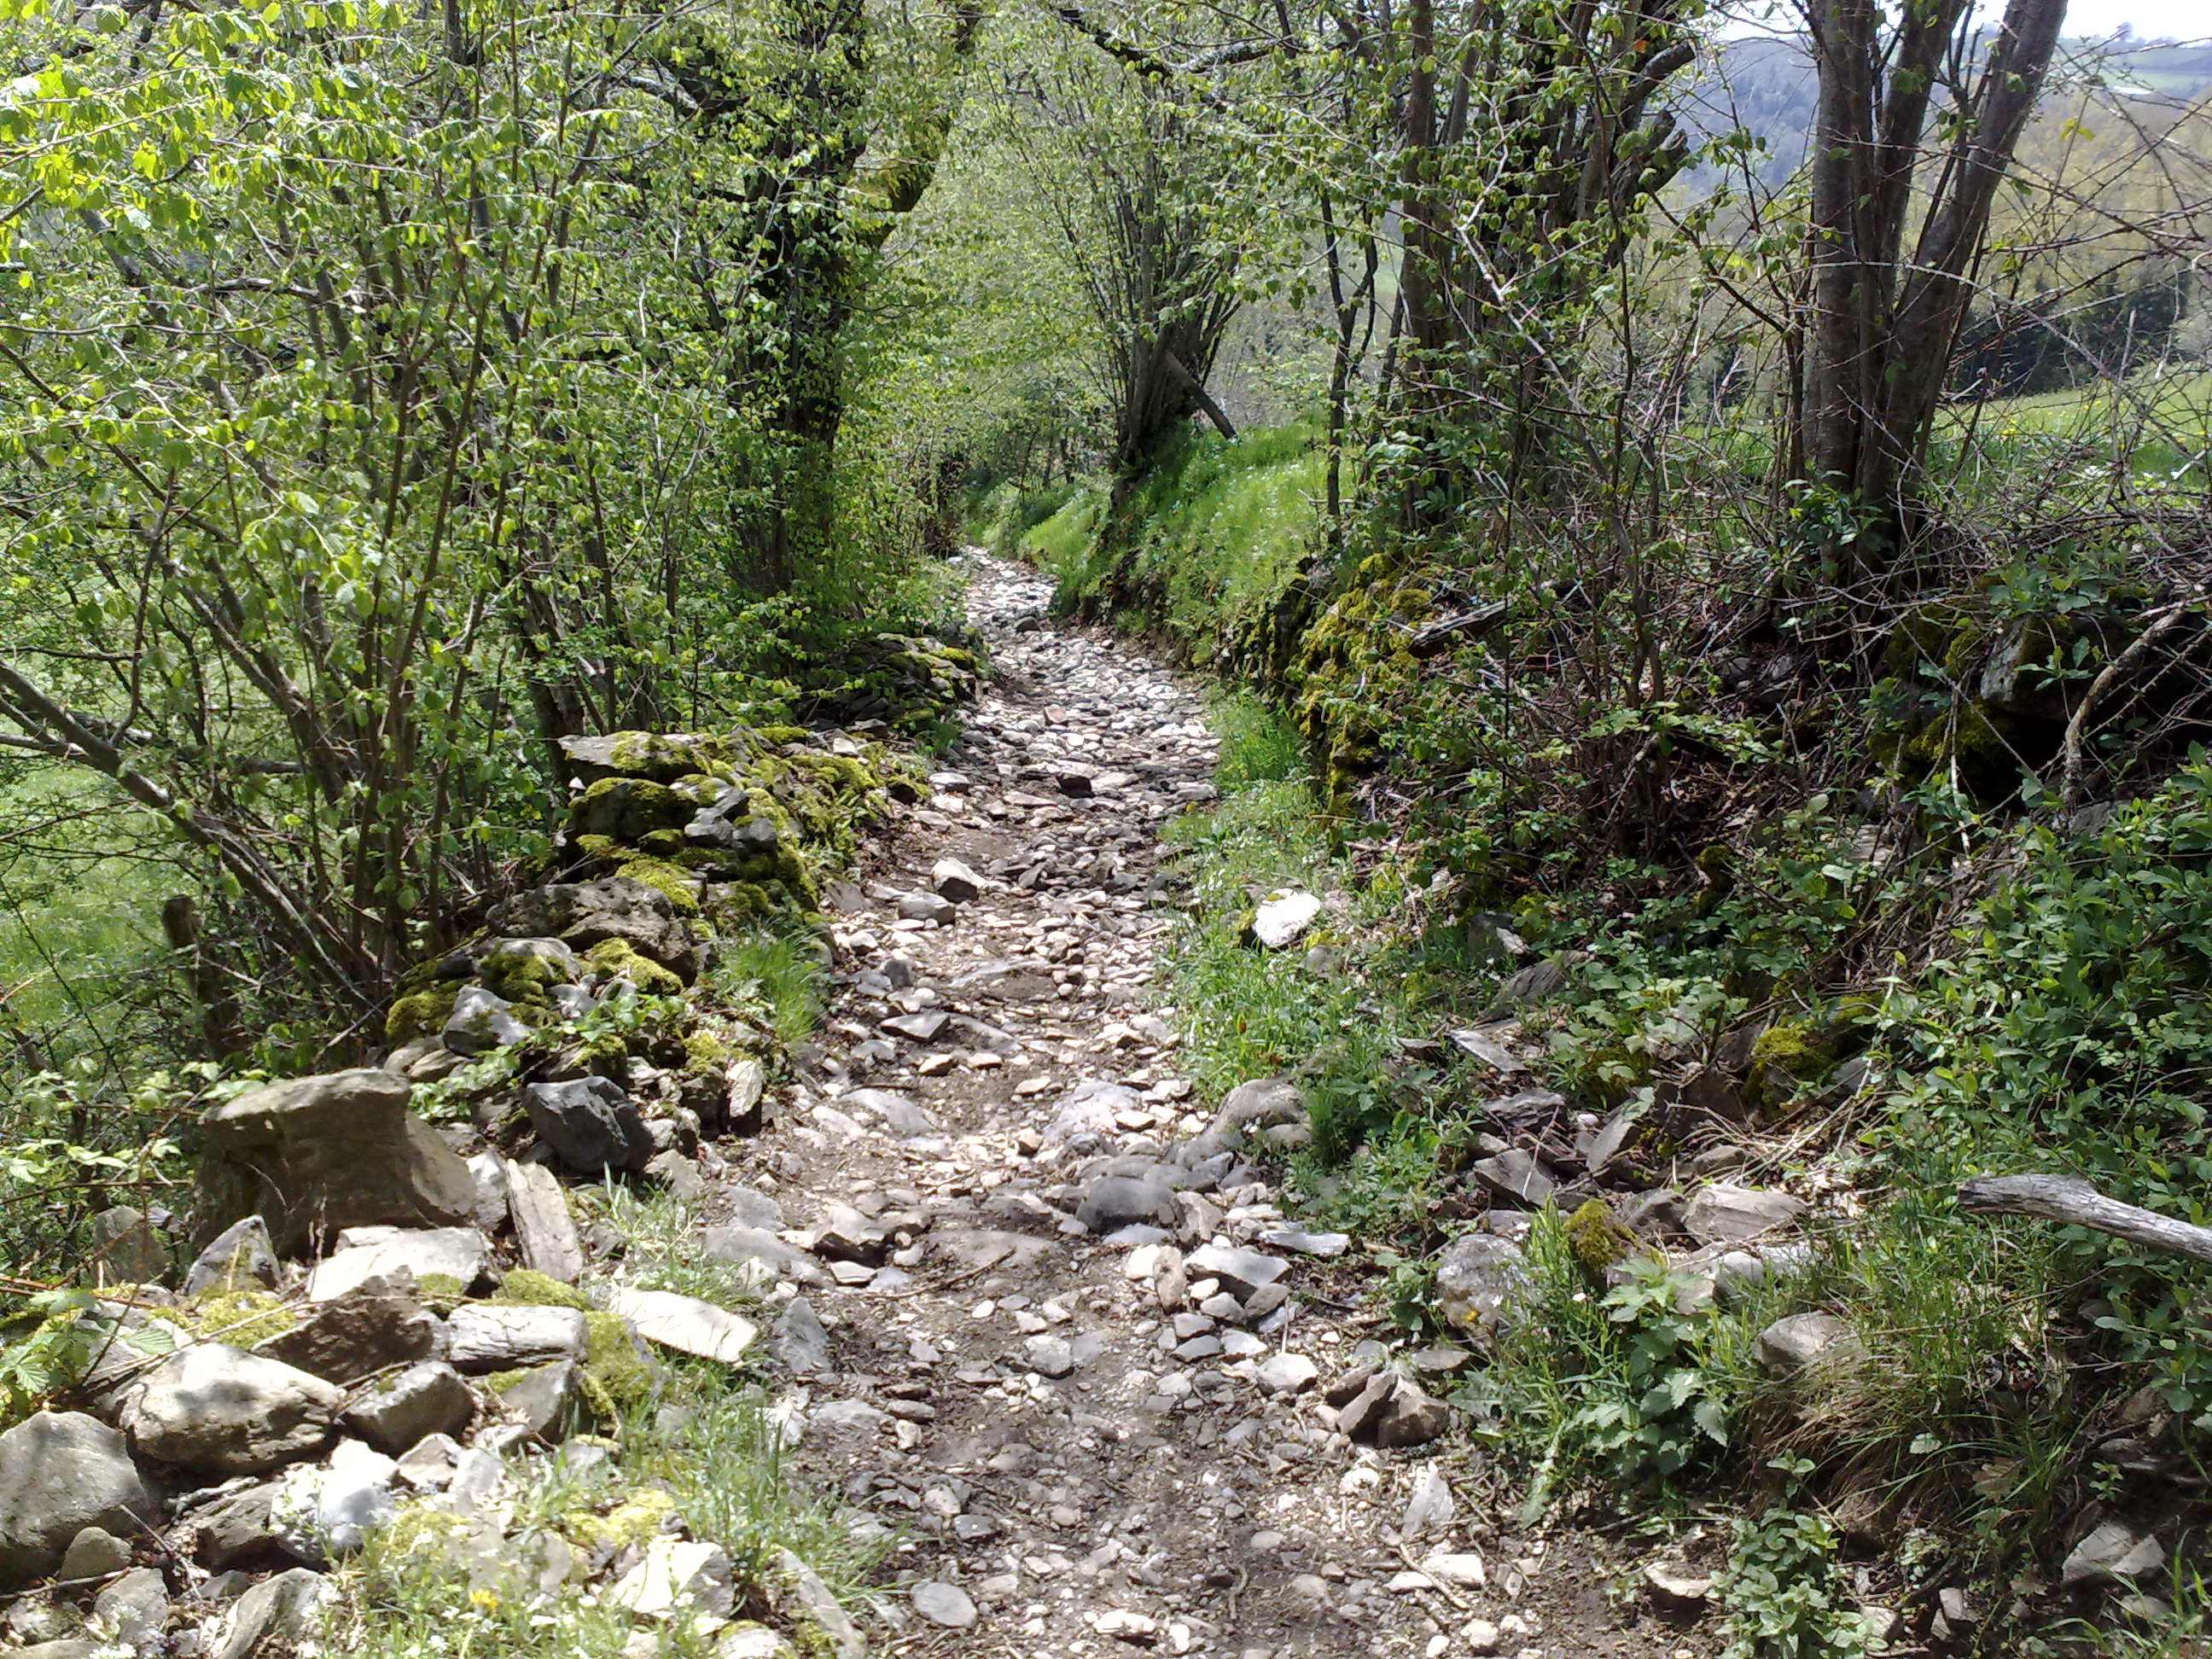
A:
(821, 206)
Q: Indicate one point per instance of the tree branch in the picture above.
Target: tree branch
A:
(2077, 1204)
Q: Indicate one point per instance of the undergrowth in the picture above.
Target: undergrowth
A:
(2059, 1023)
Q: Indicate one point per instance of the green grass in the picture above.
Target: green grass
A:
(81, 953)
(1065, 540)
(776, 977)
(2158, 422)
(1222, 526)
(1258, 744)
(662, 1228)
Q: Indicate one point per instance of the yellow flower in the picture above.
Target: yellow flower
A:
(487, 1599)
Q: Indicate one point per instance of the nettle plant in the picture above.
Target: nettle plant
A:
(1670, 1409)
(1620, 1379)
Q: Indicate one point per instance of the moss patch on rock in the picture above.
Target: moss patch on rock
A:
(1353, 667)
(618, 1373)
(441, 1292)
(636, 1520)
(1786, 1054)
(1597, 1240)
(525, 1288)
(705, 1053)
(619, 956)
(524, 980)
(240, 1318)
(421, 1009)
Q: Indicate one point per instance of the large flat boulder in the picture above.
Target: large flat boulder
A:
(585, 913)
(315, 1155)
(61, 1472)
(218, 1410)
(683, 1323)
(488, 1337)
(1725, 1213)
(368, 1255)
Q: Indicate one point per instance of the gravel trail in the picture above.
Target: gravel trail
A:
(1158, 1427)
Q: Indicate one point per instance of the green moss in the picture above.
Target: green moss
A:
(1791, 1046)
(421, 1012)
(628, 809)
(636, 1520)
(1597, 1240)
(667, 756)
(1942, 637)
(731, 904)
(1353, 668)
(415, 1528)
(705, 1053)
(668, 877)
(617, 1374)
(524, 980)
(501, 1382)
(240, 1318)
(620, 956)
(608, 1053)
(1785, 1055)
(441, 1292)
(525, 1288)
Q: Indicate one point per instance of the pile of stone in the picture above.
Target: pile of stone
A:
(730, 826)
(898, 678)
(382, 1326)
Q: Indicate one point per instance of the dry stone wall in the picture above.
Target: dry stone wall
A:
(393, 1304)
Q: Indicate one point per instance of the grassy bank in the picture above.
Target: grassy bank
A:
(1895, 986)
(1216, 532)
(2045, 1028)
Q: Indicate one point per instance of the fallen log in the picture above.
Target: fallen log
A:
(2076, 1203)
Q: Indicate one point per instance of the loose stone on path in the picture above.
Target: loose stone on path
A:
(1044, 1321)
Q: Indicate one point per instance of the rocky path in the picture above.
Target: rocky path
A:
(1053, 1333)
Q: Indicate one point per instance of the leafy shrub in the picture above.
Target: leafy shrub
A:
(1784, 1584)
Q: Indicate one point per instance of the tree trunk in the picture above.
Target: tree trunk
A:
(1880, 323)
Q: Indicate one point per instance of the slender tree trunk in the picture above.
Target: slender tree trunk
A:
(1880, 323)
